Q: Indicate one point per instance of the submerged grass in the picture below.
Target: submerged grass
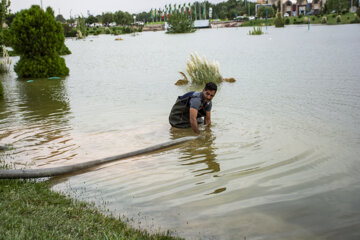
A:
(30, 210)
(256, 31)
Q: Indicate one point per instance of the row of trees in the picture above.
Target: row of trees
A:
(224, 10)
(119, 17)
(340, 6)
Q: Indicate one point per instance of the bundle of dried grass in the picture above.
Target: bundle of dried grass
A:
(5, 63)
(201, 71)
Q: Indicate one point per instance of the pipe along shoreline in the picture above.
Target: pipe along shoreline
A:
(56, 171)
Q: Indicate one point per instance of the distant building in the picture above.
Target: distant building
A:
(298, 7)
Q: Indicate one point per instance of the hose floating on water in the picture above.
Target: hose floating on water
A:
(56, 171)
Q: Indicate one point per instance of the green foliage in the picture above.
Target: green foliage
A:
(305, 20)
(1, 91)
(127, 30)
(97, 32)
(180, 23)
(338, 19)
(4, 6)
(262, 12)
(256, 31)
(60, 18)
(81, 26)
(64, 50)
(279, 21)
(358, 11)
(43, 214)
(337, 5)
(356, 20)
(41, 66)
(201, 71)
(122, 18)
(324, 20)
(287, 21)
(9, 18)
(38, 38)
(7, 37)
(68, 30)
(91, 19)
(107, 18)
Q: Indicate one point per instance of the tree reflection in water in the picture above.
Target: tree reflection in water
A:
(199, 152)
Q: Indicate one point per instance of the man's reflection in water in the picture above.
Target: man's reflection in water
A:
(199, 152)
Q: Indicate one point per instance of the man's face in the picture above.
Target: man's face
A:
(208, 95)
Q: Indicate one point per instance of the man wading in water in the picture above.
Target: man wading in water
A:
(189, 108)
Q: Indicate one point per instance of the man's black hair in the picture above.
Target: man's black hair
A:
(210, 86)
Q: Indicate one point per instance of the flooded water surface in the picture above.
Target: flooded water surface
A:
(281, 160)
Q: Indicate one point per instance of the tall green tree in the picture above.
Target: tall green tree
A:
(4, 6)
(122, 18)
(262, 12)
(337, 5)
(107, 18)
(180, 23)
(38, 38)
(60, 18)
(91, 19)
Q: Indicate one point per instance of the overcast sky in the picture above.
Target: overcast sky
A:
(78, 7)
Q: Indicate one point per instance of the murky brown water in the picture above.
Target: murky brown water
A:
(281, 160)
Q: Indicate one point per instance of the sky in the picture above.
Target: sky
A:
(81, 7)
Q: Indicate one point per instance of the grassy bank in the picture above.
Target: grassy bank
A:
(30, 210)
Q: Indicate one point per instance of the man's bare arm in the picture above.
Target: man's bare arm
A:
(193, 120)
(208, 118)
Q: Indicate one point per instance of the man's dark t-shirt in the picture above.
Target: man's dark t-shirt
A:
(180, 116)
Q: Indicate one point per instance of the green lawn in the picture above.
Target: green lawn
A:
(30, 210)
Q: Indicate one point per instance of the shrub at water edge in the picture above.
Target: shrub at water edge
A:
(338, 18)
(324, 20)
(279, 22)
(356, 20)
(256, 31)
(38, 38)
(180, 23)
(41, 66)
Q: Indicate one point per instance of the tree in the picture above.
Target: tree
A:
(144, 16)
(262, 12)
(38, 38)
(1, 91)
(9, 18)
(91, 19)
(279, 21)
(337, 5)
(60, 18)
(4, 6)
(122, 18)
(107, 18)
(180, 23)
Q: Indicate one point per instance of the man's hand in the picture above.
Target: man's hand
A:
(193, 120)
